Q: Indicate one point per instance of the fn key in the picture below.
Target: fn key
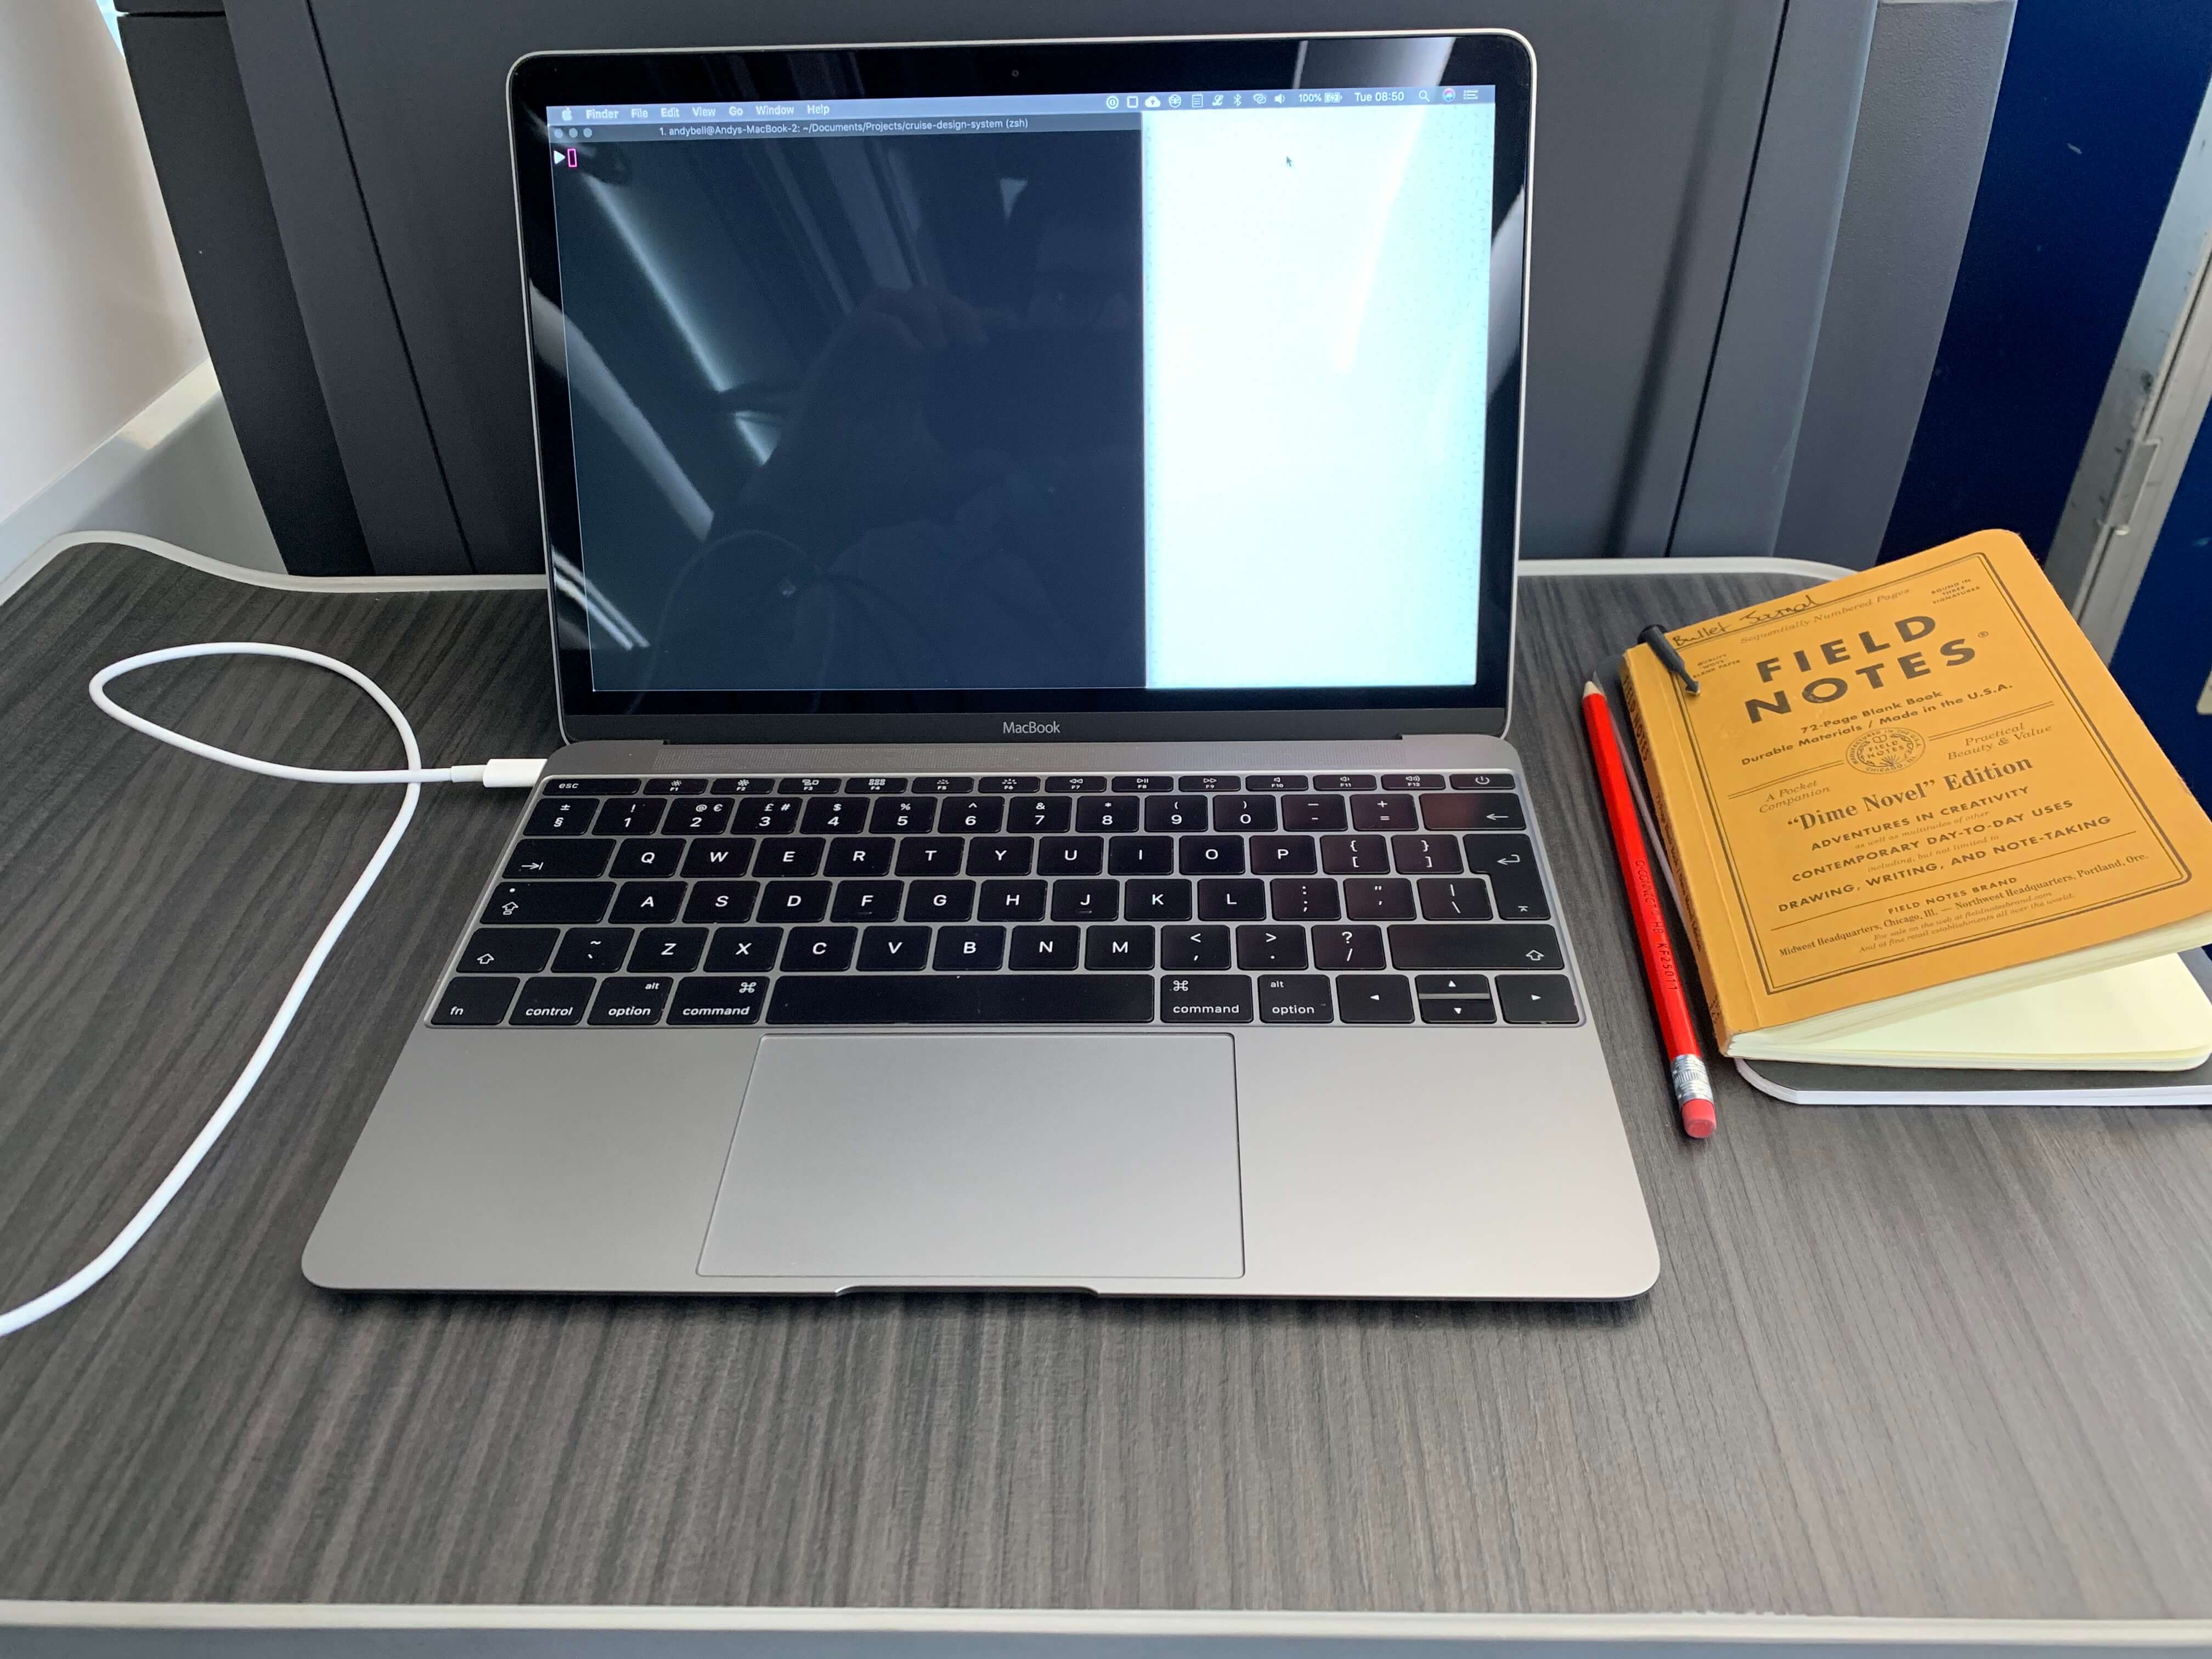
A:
(475, 999)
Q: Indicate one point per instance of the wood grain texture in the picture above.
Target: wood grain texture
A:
(1928, 1362)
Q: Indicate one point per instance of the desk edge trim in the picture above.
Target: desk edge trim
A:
(1709, 1627)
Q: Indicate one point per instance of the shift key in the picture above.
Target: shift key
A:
(1476, 945)
(521, 902)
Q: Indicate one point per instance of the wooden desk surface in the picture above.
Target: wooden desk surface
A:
(1916, 1363)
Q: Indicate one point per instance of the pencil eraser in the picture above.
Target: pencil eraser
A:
(1697, 1119)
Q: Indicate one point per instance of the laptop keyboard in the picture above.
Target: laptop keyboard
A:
(1290, 899)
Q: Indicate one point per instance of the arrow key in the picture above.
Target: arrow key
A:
(507, 951)
(1374, 999)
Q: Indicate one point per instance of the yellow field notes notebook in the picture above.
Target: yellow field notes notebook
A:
(1914, 822)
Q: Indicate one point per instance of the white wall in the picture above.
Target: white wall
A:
(96, 322)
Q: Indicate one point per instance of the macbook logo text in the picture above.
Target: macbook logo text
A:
(1030, 728)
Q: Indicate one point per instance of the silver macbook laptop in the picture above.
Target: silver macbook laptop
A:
(1032, 534)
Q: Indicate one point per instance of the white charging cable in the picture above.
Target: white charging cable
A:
(493, 775)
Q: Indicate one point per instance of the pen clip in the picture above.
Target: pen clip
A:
(1656, 637)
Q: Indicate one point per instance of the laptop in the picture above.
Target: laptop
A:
(1031, 534)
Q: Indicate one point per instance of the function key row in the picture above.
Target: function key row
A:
(1202, 783)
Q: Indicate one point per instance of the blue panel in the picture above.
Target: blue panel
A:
(2166, 650)
(2097, 103)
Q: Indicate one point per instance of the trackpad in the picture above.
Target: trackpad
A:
(987, 1159)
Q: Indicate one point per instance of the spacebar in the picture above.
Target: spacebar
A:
(963, 999)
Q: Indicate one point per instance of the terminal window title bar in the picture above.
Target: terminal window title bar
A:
(572, 118)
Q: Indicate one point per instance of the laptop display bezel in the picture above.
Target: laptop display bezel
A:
(1497, 58)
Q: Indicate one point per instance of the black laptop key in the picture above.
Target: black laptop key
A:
(547, 1001)
(1478, 809)
(766, 815)
(1144, 783)
(971, 815)
(893, 951)
(1276, 946)
(647, 901)
(942, 786)
(819, 950)
(875, 786)
(809, 785)
(638, 814)
(928, 855)
(976, 948)
(1297, 899)
(1086, 901)
(474, 1002)
(557, 860)
(1244, 815)
(1383, 813)
(743, 950)
(904, 815)
(648, 856)
(1006, 786)
(866, 901)
(858, 855)
(702, 816)
(1348, 946)
(1283, 855)
(718, 1000)
(1106, 815)
(1517, 885)
(1295, 1000)
(1426, 855)
(1000, 855)
(631, 1000)
(1453, 898)
(1064, 785)
(1120, 946)
(1345, 783)
(1010, 901)
(522, 903)
(589, 786)
(593, 949)
(1536, 999)
(1278, 783)
(1458, 1010)
(1240, 899)
(789, 856)
(719, 855)
(964, 999)
(1374, 999)
(1206, 999)
(783, 901)
(1413, 781)
(1040, 815)
(940, 901)
(1382, 898)
(508, 949)
(1166, 898)
(1482, 780)
(1140, 855)
(1492, 945)
(560, 817)
(1207, 783)
(721, 901)
(1211, 855)
(1071, 856)
(1049, 949)
(675, 787)
(1176, 815)
(667, 949)
(1355, 855)
(1314, 812)
(742, 787)
(1193, 947)
(835, 815)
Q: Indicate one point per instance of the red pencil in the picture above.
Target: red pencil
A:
(1693, 1090)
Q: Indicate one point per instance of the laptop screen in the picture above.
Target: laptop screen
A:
(1157, 390)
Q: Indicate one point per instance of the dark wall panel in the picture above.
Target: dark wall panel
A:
(1648, 117)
